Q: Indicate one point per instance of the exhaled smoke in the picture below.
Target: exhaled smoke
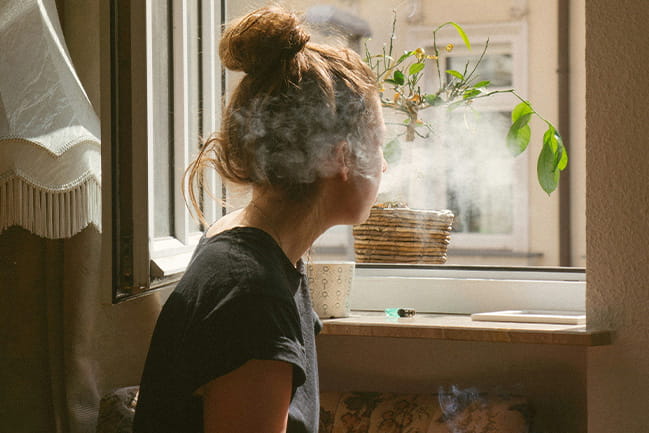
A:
(469, 410)
(454, 401)
(462, 163)
(293, 137)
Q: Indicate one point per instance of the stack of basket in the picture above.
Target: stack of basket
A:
(403, 235)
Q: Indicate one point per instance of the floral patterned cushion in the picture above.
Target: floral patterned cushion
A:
(371, 412)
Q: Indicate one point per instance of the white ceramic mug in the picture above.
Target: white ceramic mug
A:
(330, 284)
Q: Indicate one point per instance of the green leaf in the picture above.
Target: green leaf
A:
(415, 68)
(550, 139)
(522, 109)
(518, 136)
(392, 151)
(553, 139)
(390, 81)
(399, 78)
(552, 159)
(482, 84)
(470, 93)
(547, 169)
(562, 160)
(456, 74)
(463, 35)
(433, 99)
(405, 56)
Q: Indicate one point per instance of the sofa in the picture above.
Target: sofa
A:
(455, 411)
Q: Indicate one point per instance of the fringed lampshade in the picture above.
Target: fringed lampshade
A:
(49, 133)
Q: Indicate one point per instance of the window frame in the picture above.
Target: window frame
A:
(139, 264)
(126, 119)
(171, 254)
(456, 289)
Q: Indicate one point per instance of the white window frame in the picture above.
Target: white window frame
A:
(170, 255)
(513, 34)
(468, 289)
(448, 289)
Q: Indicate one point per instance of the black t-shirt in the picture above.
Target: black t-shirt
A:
(239, 299)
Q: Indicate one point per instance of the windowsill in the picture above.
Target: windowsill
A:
(462, 328)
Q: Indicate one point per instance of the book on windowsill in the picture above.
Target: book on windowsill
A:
(533, 316)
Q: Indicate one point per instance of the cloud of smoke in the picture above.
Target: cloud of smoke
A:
(295, 138)
(461, 163)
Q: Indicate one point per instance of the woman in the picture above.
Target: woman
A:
(233, 349)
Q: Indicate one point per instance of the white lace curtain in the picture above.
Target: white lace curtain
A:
(49, 134)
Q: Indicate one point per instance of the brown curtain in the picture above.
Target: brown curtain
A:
(62, 343)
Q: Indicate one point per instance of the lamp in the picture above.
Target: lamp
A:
(50, 167)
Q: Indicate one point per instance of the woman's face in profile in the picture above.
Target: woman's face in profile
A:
(365, 177)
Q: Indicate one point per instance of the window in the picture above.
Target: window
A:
(166, 91)
(185, 88)
(485, 187)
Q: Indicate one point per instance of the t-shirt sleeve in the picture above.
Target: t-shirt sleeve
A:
(245, 328)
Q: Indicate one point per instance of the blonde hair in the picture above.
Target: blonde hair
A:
(296, 101)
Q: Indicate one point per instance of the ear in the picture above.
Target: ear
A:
(341, 156)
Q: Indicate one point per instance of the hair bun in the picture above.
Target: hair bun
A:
(263, 39)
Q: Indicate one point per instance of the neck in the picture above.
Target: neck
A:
(294, 226)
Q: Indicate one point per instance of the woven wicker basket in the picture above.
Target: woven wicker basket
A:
(402, 235)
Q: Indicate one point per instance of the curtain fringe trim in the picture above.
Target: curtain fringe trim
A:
(50, 214)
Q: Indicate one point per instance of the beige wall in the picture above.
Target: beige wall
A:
(617, 208)
(553, 377)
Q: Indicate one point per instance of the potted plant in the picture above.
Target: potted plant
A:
(395, 233)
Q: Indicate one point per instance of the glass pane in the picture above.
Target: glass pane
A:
(496, 68)
(194, 85)
(480, 175)
(162, 120)
(165, 177)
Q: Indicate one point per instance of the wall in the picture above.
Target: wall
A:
(553, 377)
(617, 208)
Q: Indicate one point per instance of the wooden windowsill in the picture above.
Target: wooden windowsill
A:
(462, 328)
